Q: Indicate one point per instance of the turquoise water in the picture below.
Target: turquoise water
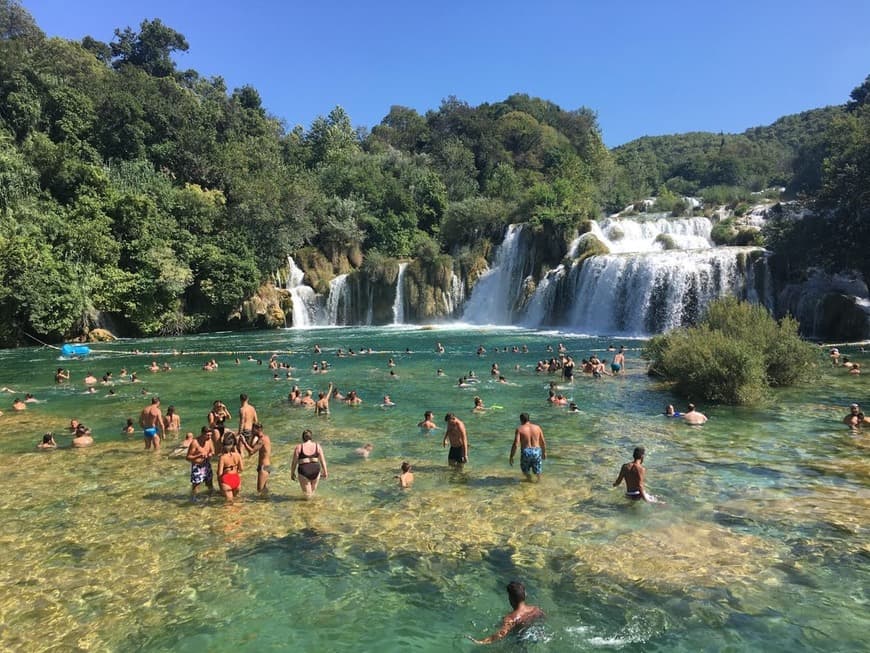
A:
(762, 544)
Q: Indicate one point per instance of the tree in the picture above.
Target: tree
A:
(733, 355)
(17, 24)
(149, 49)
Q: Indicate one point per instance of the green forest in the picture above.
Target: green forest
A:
(163, 199)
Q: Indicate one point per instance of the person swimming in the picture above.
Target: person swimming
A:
(670, 412)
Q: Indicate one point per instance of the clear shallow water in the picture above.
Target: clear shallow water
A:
(763, 543)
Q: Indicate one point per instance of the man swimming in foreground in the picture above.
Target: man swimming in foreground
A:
(529, 439)
(520, 618)
(633, 474)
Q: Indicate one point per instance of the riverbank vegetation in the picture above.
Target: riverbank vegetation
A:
(733, 356)
(154, 200)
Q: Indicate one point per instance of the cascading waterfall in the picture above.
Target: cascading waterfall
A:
(304, 297)
(454, 300)
(495, 294)
(652, 292)
(399, 301)
(629, 235)
(542, 303)
(338, 303)
(660, 273)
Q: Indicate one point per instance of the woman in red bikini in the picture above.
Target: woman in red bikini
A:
(230, 467)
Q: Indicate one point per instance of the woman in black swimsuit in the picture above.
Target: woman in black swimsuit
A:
(309, 461)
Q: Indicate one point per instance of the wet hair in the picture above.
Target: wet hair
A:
(155, 400)
(691, 407)
(243, 397)
(307, 435)
(229, 441)
(524, 417)
(516, 592)
(47, 438)
(406, 467)
(428, 414)
(448, 417)
(639, 453)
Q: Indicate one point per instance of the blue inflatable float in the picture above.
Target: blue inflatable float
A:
(70, 351)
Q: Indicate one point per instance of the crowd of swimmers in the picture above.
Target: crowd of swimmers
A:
(229, 449)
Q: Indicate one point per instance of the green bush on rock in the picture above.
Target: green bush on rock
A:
(733, 356)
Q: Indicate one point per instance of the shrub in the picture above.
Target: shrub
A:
(749, 236)
(723, 232)
(666, 241)
(733, 356)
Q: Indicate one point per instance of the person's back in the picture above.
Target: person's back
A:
(247, 416)
(633, 475)
(692, 416)
(519, 618)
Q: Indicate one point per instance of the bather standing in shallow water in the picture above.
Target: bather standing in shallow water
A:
(309, 461)
(230, 467)
(633, 475)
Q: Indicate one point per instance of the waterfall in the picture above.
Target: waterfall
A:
(304, 297)
(651, 292)
(630, 235)
(456, 297)
(399, 301)
(370, 307)
(541, 306)
(338, 302)
(495, 294)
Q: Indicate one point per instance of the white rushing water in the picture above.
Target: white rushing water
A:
(456, 298)
(338, 302)
(494, 295)
(654, 292)
(629, 235)
(304, 297)
(542, 303)
(399, 301)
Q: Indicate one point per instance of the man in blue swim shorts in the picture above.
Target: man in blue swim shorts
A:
(151, 420)
(529, 439)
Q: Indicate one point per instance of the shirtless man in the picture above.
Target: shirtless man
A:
(427, 424)
(263, 446)
(633, 474)
(458, 438)
(692, 416)
(151, 420)
(520, 617)
(247, 417)
(618, 361)
(200, 454)
(82, 437)
(529, 439)
(321, 407)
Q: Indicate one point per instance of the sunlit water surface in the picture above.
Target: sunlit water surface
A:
(762, 544)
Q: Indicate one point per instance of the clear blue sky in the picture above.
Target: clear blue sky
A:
(646, 67)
